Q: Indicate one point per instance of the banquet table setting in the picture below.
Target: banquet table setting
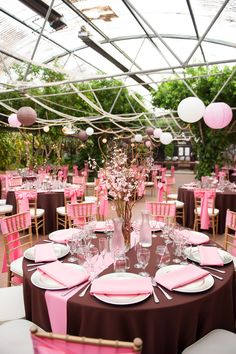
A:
(49, 197)
(74, 284)
(225, 199)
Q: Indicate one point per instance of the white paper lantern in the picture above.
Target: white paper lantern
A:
(157, 133)
(46, 129)
(166, 138)
(89, 131)
(191, 109)
(138, 138)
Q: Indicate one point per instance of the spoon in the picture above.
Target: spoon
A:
(154, 283)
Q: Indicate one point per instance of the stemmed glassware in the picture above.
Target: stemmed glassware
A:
(143, 256)
(103, 248)
(92, 222)
(163, 256)
(91, 255)
(73, 243)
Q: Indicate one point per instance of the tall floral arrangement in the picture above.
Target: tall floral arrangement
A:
(125, 185)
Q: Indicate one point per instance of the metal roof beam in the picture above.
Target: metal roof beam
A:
(195, 26)
(206, 31)
(97, 29)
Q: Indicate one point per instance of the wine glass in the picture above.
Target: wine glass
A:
(92, 222)
(103, 247)
(163, 256)
(91, 254)
(143, 256)
(72, 243)
(137, 247)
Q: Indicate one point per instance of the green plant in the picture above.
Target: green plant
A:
(208, 144)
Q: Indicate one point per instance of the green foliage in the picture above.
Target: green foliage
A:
(210, 143)
(23, 148)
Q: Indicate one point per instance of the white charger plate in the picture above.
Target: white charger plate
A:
(101, 226)
(121, 300)
(155, 225)
(43, 281)
(60, 251)
(193, 255)
(197, 286)
(60, 235)
(202, 238)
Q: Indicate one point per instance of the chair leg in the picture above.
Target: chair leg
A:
(36, 228)
(213, 227)
(44, 231)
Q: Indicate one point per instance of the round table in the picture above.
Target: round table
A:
(48, 201)
(166, 327)
(224, 200)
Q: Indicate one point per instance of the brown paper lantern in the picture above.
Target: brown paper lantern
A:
(27, 116)
(82, 135)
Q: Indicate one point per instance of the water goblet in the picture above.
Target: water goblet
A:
(137, 248)
(163, 256)
(143, 256)
(72, 243)
(103, 248)
(92, 222)
(91, 254)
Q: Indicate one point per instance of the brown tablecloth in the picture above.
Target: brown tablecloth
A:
(224, 201)
(166, 328)
(48, 201)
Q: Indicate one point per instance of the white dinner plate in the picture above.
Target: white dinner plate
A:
(61, 236)
(60, 251)
(197, 286)
(101, 226)
(201, 237)
(155, 225)
(193, 255)
(43, 281)
(121, 300)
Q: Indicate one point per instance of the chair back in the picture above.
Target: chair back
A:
(75, 170)
(79, 213)
(14, 181)
(205, 199)
(230, 231)
(162, 211)
(25, 200)
(52, 343)
(17, 233)
(73, 195)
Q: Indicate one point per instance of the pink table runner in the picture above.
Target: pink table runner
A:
(57, 304)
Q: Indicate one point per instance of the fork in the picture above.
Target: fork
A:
(154, 283)
(85, 290)
(155, 296)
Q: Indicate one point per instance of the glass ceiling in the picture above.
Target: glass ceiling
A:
(139, 42)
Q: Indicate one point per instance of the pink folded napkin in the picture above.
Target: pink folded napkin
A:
(63, 274)
(209, 256)
(119, 286)
(44, 253)
(62, 236)
(180, 277)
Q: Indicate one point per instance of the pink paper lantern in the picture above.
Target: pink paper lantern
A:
(27, 116)
(148, 143)
(218, 115)
(13, 121)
